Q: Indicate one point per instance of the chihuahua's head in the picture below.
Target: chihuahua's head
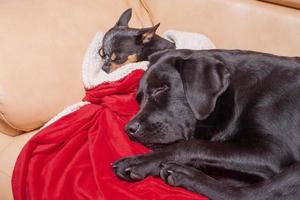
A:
(122, 45)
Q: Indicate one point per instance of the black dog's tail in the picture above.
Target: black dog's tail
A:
(283, 186)
(297, 59)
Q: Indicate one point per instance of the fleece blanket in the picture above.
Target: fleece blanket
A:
(71, 156)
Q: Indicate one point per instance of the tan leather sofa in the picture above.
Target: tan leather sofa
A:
(42, 44)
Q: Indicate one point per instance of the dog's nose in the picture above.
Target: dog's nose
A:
(132, 128)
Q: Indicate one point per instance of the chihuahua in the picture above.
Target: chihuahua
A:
(122, 45)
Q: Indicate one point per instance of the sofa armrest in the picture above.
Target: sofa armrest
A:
(10, 148)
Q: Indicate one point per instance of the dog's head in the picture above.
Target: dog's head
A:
(122, 45)
(178, 90)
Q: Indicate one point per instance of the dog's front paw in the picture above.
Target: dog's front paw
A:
(137, 167)
(178, 175)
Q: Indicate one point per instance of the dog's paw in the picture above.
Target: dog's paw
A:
(176, 174)
(136, 168)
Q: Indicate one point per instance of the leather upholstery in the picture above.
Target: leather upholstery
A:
(235, 24)
(10, 148)
(288, 3)
(43, 42)
(41, 60)
(42, 45)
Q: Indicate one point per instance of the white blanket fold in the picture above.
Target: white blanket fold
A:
(93, 75)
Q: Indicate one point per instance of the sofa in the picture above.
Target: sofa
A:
(43, 43)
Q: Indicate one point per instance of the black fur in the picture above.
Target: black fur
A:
(222, 123)
(125, 41)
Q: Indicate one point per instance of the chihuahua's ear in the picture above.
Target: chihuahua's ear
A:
(124, 18)
(146, 34)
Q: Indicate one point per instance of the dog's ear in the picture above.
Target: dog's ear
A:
(204, 80)
(146, 34)
(124, 18)
(153, 58)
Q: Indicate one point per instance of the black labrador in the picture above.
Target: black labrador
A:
(222, 123)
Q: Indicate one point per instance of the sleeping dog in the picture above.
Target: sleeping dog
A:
(222, 123)
(123, 45)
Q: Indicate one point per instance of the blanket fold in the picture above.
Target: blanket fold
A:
(70, 158)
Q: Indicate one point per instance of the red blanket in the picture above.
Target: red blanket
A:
(71, 158)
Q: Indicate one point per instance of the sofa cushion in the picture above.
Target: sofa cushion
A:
(234, 24)
(42, 47)
(43, 42)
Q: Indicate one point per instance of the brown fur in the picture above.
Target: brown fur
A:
(130, 59)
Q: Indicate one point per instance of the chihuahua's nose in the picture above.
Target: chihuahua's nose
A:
(133, 128)
(106, 68)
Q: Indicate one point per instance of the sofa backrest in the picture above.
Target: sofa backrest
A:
(43, 43)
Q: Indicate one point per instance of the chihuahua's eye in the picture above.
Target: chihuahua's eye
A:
(159, 90)
(101, 53)
(113, 57)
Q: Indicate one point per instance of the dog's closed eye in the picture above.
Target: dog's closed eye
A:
(159, 90)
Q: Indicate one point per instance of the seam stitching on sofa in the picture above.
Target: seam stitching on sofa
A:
(8, 123)
(4, 173)
(5, 146)
(146, 7)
